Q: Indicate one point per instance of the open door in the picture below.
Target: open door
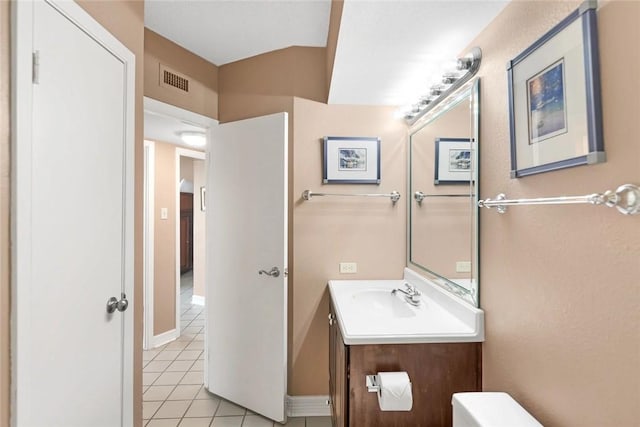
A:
(246, 234)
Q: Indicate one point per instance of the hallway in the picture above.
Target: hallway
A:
(173, 389)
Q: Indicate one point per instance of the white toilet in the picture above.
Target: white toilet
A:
(484, 409)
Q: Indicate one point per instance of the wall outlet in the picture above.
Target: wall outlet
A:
(164, 213)
(463, 267)
(348, 268)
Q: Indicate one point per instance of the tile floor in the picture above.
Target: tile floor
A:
(172, 380)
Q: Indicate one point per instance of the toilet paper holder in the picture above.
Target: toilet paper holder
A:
(373, 385)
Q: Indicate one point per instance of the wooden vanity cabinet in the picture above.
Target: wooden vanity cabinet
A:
(436, 370)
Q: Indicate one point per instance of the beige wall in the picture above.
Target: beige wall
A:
(5, 303)
(164, 272)
(265, 84)
(202, 97)
(559, 284)
(440, 226)
(186, 169)
(327, 231)
(199, 180)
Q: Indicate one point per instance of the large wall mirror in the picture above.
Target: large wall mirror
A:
(443, 182)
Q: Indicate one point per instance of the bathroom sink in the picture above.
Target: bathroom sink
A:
(381, 303)
(369, 313)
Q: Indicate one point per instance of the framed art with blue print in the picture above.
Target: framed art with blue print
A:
(555, 112)
(351, 160)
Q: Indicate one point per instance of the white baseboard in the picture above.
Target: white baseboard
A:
(308, 406)
(164, 338)
(197, 300)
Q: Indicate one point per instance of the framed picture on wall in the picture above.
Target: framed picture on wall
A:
(351, 160)
(555, 113)
(453, 161)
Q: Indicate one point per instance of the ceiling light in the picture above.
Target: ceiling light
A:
(194, 139)
(467, 67)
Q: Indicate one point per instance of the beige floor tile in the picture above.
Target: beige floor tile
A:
(149, 377)
(196, 422)
(186, 337)
(192, 329)
(188, 355)
(157, 366)
(167, 355)
(176, 345)
(157, 392)
(318, 421)
(203, 408)
(227, 409)
(145, 388)
(149, 408)
(169, 378)
(227, 422)
(163, 423)
(204, 394)
(180, 365)
(148, 355)
(295, 422)
(197, 366)
(172, 409)
(184, 392)
(199, 337)
(193, 377)
(256, 421)
(195, 345)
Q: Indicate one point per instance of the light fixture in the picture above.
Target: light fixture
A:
(466, 67)
(194, 139)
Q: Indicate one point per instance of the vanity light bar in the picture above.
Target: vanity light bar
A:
(626, 199)
(469, 65)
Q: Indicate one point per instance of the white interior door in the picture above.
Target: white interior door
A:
(73, 223)
(247, 232)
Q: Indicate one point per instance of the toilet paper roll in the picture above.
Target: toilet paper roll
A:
(395, 391)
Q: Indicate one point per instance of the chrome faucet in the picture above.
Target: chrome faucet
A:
(411, 295)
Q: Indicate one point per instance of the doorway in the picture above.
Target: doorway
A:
(166, 128)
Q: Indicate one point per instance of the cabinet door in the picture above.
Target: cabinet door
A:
(338, 373)
(436, 372)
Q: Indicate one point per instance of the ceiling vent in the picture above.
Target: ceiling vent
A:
(169, 78)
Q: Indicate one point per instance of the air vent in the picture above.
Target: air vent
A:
(169, 78)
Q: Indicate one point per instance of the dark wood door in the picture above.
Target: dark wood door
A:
(186, 232)
(338, 373)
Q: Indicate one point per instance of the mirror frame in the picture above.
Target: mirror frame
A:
(471, 90)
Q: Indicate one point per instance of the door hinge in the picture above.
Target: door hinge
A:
(36, 67)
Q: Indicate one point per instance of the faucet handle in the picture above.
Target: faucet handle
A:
(411, 289)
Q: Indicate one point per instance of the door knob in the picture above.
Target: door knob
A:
(113, 304)
(274, 272)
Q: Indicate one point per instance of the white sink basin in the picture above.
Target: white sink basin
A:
(380, 303)
(368, 313)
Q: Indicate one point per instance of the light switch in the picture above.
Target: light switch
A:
(164, 213)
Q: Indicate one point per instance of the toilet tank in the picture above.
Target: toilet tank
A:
(484, 409)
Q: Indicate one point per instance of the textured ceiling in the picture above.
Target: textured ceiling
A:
(390, 52)
(227, 31)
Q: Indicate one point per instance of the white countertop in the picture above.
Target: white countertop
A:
(368, 313)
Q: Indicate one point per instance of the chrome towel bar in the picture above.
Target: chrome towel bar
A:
(626, 199)
(420, 196)
(394, 195)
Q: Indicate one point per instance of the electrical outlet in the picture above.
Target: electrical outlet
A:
(348, 268)
(463, 267)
